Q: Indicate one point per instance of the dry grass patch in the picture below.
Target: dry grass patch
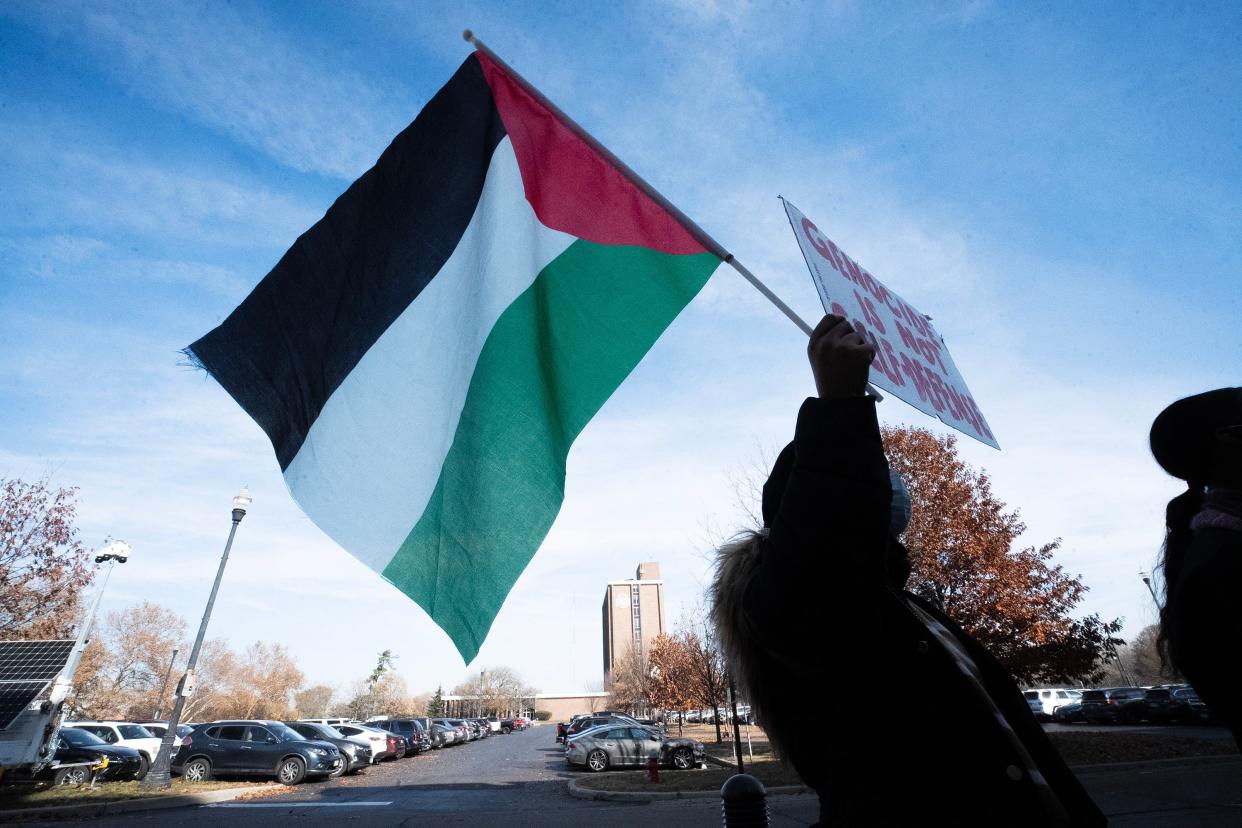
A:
(14, 797)
(1100, 748)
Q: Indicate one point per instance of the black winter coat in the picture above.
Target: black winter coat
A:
(1203, 624)
(844, 640)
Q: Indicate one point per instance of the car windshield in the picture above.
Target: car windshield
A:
(134, 732)
(284, 733)
(184, 730)
(80, 738)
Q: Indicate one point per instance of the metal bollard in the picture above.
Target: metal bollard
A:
(744, 802)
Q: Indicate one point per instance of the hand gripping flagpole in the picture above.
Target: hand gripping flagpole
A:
(700, 235)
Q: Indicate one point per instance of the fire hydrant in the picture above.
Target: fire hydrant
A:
(653, 769)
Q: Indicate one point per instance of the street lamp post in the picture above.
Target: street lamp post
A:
(1146, 576)
(159, 776)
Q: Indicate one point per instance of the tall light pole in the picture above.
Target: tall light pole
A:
(1146, 576)
(159, 776)
(114, 553)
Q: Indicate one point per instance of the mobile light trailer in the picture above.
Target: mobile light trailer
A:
(29, 726)
(30, 721)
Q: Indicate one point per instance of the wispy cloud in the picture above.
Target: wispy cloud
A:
(111, 190)
(234, 69)
(83, 259)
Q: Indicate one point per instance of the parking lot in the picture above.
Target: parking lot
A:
(520, 779)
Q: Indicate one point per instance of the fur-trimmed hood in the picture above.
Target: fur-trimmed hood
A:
(744, 655)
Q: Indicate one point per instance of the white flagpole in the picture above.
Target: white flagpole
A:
(700, 235)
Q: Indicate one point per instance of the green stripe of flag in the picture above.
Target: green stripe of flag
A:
(553, 359)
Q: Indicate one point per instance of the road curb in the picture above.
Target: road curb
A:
(577, 791)
(1106, 767)
(124, 806)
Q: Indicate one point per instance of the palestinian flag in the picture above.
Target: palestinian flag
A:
(424, 356)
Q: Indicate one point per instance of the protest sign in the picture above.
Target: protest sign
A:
(912, 361)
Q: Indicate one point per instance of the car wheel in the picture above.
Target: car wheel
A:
(683, 759)
(72, 776)
(597, 760)
(144, 765)
(197, 770)
(342, 770)
(291, 771)
(506, 730)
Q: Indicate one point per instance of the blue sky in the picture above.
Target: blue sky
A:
(1062, 192)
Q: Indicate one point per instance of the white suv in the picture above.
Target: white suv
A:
(125, 734)
(1050, 698)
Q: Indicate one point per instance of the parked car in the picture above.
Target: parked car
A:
(254, 747)
(612, 747)
(1032, 701)
(654, 724)
(416, 739)
(1069, 713)
(1051, 698)
(372, 737)
(1158, 706)
(463, 734)
(354, 757)
(79, 753)
(442, 735)
(1199, 712)
(158, 729)
(493, 724)
(125, 734)
(472, 730)
(1107, 704)
(588, 722)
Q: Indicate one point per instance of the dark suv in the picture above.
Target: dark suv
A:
(1109, 704)
(263, 748)
(416, 738)
(354, 757)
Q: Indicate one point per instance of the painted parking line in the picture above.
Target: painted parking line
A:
(297, 804)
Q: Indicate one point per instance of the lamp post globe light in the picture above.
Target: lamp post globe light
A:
(1146, 576)
(160, 775)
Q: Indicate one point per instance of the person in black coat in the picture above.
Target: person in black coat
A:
(882, 704)
(1199, 440)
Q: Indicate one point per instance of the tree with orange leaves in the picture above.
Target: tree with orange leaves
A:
(1014, 601)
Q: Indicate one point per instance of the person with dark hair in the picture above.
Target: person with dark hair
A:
(818, 632)
(1199, 440)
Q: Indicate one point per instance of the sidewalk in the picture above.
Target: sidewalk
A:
(122, 806)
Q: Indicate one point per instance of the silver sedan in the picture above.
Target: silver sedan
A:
(611, 746)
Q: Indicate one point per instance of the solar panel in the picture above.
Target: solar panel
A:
(26, 669)
(15, 697)
(30, 660)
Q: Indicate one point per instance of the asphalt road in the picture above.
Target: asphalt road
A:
(520, 780)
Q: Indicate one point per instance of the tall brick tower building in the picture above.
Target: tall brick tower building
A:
(633, 615)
